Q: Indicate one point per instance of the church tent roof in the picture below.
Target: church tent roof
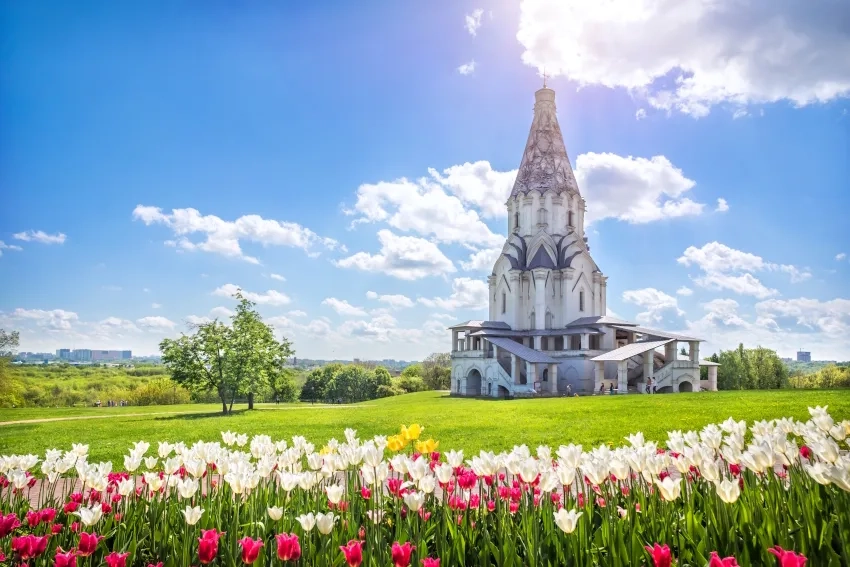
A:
(481, 325)
(538, 333)
(655, 333)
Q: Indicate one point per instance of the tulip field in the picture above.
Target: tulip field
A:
(767, 492)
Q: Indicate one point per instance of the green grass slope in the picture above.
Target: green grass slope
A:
(466, 424)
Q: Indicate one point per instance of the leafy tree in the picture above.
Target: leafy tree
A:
(411, 384)
(10, 389)
(232, 360)
(382, 377)
(750, 369)
(315, 387)
(282, 384)
(9, 343)
(437, 370)
(412, 370)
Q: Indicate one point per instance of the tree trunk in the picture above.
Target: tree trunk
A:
(221, 395)
(250, 400)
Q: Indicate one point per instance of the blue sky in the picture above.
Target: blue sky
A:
(347, 165)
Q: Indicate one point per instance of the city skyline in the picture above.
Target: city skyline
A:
(350, 174)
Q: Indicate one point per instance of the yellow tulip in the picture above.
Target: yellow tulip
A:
(325, 450)
(395, 443)
(425, 447)
(413, 432)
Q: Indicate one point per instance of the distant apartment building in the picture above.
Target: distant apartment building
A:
(101, 355)
(81, 355)
(63, 353)
(89, 355)
(804, 356)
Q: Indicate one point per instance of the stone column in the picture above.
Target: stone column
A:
(537, 342)
(599, 376)
(494, 305)
(693, 351)
(531, 373)
(670, 352)
(540, 297)
(514, 299)
(712, 378)
(648, 366)
(515, 368)
(585, 341)
(454, 340)
(622, 377)
(553, 378)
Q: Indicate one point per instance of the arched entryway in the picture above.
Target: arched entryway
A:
(686, 387)
(546, 375)
(473, 383)
(503, 392)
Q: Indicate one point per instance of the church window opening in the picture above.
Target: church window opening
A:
(532, 321)
(570, 217)
(504, 302)
(516, 221)
(581, 300)
(575, 342)
(594, 342)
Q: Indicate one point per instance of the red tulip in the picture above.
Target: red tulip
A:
(788, 558)
(70, 507)
(48, 515)
(33, 518)
(88, 543)
(8, 524)
(805, 452)
(353, 553)
(65, 558)
(250, 549)
(401, 554)
(116, 559)
(716, 561)
(428, 562)
(365, 492)
(660, 555)
(56, 528)
(157, 565)
(208, 545)
(288, 548)
(29, 546)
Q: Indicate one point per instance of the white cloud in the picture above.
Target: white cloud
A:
(655, 302)
(40, 236)
(423, 207)
(473, 21)
(467, 68)
(840, 256)
(467, 293)
(223, 237)
(53, 319)
(221, 312)
(278, 277)
(156, 305)
(483, 259)
(270, 297)
(156, 323)
(829, 317)
(636, 190)
(782, 325)
(684, 290)
(4, 246)
(745, 284)
(728, 268)
(640, 114)
(740, 113)
(722, 206)
(115, 326)
(478, 184)
(403, 257)
(195, 320)
(297, 313)
(343, 307)
(396, 301)
(687, 55)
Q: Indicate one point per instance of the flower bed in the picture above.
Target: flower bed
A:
(777, 492)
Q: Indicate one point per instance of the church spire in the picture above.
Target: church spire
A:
(545, 164)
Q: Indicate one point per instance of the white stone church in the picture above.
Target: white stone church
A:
(547, 332)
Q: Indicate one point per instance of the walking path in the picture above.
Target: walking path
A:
(106, 416)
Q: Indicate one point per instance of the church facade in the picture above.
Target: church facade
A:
(547, 332)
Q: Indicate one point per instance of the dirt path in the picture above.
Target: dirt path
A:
(113, 415)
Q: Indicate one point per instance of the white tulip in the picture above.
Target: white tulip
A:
(334, 492)
(192, 515)
(414, 500)
(325, 522)
(90, 516)
(454, 458)
(444, 472)
(150, 462)
(307, 521)
(126, 486)
(669, 488)
(567, 520)
(728, 490)
(132, 462)
(187, 487)
(427, 484)
(275, 512)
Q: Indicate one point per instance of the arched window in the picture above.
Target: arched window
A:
(581, 300)
(570, 219)
(516, 221)
(504, 302)
(532, 321)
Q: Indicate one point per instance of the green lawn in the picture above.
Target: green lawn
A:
(457, 423)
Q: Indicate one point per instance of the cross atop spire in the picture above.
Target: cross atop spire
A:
(545, 76)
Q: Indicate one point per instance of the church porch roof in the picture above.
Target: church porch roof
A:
(522, 351)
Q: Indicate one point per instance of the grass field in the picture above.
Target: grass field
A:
(457, 423)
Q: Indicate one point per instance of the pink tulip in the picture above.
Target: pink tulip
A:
(788, 558)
